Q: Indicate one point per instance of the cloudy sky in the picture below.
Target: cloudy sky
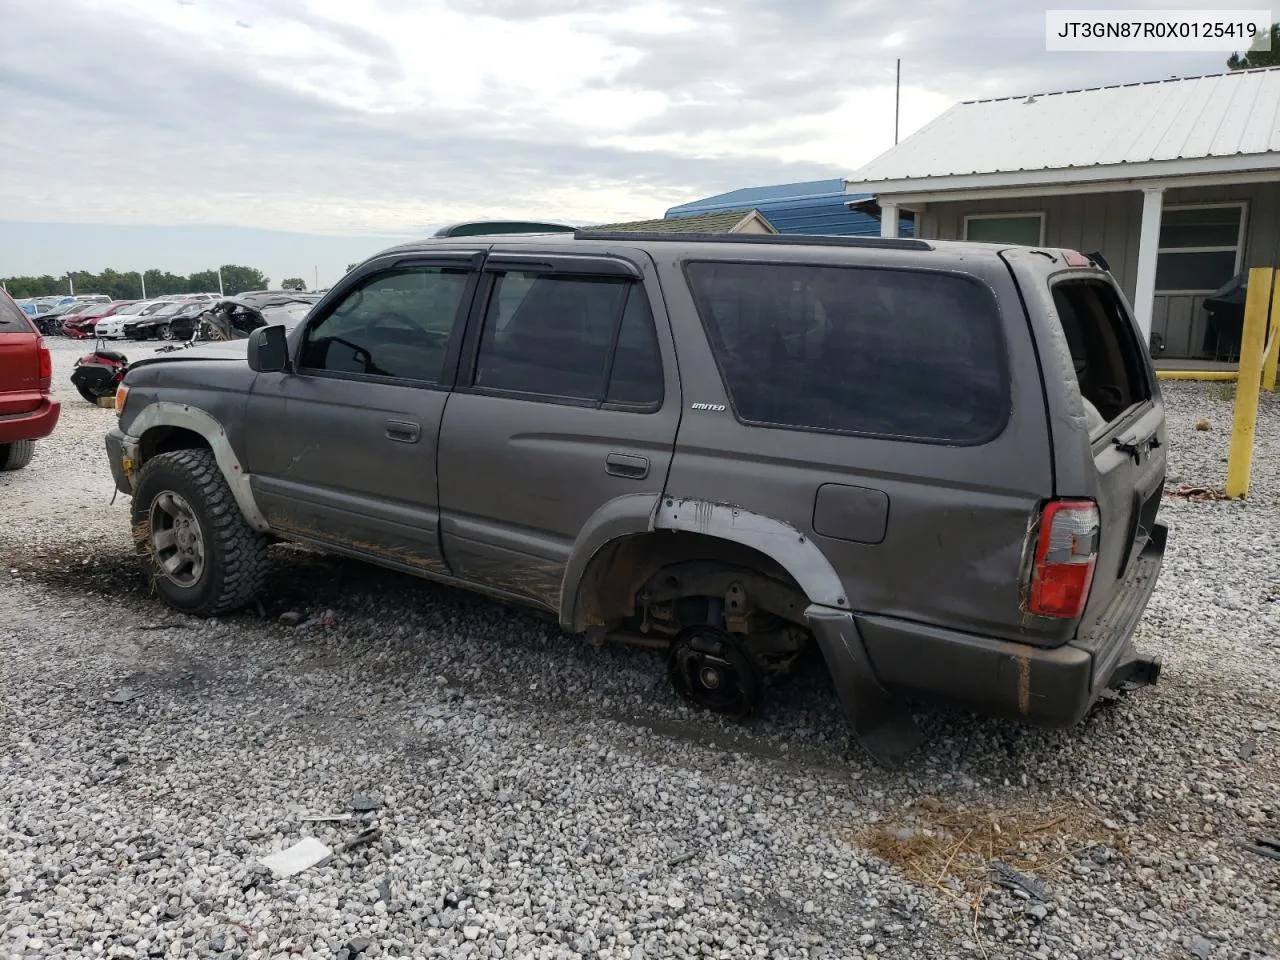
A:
(368, 119)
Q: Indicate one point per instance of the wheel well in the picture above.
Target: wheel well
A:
(168, 439)
(606, 594)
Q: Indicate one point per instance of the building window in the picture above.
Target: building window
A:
(1199, 247)
(1026, 229)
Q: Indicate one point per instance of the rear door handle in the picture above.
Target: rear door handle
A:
(403, 431)
(625, 465)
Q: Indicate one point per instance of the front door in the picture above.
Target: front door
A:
(343, 450)
(564, 402)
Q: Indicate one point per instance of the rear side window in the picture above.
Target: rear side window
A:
(1104, 350)
(12, 319)
(905, 354)
(586, 339)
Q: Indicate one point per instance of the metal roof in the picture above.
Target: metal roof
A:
(1192, 118)
(809, 207)
(717, 221)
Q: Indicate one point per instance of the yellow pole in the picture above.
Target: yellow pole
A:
(1252, 341)
(1269, 364)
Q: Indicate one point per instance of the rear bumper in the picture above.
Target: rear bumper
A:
(32, 425)
(1044, 686)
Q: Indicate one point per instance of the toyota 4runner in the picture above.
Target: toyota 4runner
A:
(939, 462)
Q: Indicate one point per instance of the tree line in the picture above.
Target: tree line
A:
(129, 285)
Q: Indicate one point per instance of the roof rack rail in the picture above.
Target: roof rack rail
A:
(770, 239)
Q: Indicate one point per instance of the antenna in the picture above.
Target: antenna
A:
(897, 99)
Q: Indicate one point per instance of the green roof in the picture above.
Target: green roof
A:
(720, 221)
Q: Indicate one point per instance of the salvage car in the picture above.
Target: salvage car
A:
(936, 464)
(27, 412)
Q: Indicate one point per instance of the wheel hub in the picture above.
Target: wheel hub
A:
(176, 539)
(709, 668)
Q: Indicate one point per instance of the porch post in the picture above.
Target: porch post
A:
(889, 219)
(1144, 290)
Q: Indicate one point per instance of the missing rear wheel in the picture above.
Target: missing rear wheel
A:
(709, 668)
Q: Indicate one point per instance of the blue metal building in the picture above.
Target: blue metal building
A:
(814, 206)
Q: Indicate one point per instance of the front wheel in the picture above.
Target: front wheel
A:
(166, 332)
(196, 548)
(16, 455)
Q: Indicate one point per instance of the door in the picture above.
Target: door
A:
(563, 403)
(343, 449)
(1125, 425)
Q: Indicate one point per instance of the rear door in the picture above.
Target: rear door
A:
(562, 405)
(1093, 356)
(19, 360)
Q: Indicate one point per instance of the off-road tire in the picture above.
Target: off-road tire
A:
(16, 455)
(235, 554)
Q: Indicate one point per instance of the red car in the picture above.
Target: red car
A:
(80, 324)
(27, 412)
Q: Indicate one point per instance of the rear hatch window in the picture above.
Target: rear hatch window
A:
(1104, 351)
(904, 354)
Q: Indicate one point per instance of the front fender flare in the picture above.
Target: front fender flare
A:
(166, 413)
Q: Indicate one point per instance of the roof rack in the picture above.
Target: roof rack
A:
(766, 239)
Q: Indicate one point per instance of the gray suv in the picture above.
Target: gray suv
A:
(939, 463)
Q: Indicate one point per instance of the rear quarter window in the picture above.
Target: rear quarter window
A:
(1104, 350)
(12, 319)
(906, 354)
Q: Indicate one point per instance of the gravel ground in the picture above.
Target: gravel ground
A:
(540, 798)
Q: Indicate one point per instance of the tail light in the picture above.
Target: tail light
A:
(46, 367)
(1066, 553)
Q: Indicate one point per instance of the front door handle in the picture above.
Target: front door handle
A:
(403, 431)
(625, 465)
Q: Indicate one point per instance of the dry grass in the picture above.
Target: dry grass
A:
(953, 849)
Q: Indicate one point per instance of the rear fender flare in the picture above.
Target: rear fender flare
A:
(787, 546)
(166, 413)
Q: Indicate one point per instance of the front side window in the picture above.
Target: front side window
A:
(1199, 248)
(579, 338)
(892, 353)
(397, 324)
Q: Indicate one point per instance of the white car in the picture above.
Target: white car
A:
(112, 327)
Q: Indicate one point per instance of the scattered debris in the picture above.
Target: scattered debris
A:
(327, 818)
(307, 852)
(1264, 847)
(123, 695)
(326, 619)
(683, 858)
(1203, 424)
(1201, 947)
(360, 839)
(363, 803)
(291, 618)
(1008, 877)
(383, 887)
(1191, 492)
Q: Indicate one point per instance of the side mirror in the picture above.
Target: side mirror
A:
(269, 350)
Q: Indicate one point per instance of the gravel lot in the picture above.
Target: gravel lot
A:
(540, 798)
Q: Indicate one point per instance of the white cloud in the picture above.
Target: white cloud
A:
(398, 115)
